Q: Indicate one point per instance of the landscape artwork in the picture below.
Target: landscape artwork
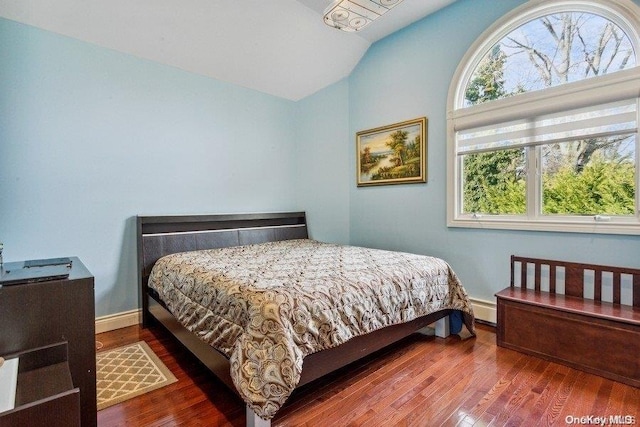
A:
(394, 154)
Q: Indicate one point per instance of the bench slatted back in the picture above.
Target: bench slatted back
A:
(574, 277)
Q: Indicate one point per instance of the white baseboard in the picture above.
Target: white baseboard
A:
(485, 310)
(119, 320)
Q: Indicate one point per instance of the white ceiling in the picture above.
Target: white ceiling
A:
(280, 47)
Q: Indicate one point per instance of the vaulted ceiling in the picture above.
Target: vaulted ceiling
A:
(280, 47)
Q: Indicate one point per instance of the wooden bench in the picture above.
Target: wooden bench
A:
(585, 316)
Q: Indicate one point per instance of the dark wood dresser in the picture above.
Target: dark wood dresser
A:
(50, 326)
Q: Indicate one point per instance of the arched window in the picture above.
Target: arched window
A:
(543, 121)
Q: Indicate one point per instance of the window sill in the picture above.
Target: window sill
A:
(629, 227)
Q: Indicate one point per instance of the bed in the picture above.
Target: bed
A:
(286, 309)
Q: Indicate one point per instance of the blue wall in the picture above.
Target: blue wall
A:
(90, 137)
(407, 75)
(322, 161)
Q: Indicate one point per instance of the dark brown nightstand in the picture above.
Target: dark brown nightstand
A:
(50, 325)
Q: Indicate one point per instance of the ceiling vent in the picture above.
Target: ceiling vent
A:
(354, 15)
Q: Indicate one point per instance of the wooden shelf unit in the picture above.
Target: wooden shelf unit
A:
(50, 325)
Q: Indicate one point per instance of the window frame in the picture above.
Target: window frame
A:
(612, 87)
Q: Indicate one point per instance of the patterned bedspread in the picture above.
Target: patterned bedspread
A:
(269, 305)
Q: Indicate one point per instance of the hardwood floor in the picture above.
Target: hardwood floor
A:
(421, 381)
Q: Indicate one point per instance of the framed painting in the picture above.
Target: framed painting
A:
(393, 154)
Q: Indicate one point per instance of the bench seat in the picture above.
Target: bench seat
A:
(569, 304)
(598, 337)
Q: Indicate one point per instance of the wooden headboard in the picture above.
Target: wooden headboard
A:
(158, 236)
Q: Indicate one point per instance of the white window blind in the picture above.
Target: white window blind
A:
(598, 121)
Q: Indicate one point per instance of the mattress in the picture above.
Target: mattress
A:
(267, 306)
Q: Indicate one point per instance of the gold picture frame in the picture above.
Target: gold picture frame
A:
(393, 154)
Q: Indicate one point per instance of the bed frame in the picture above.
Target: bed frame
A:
(163, 235)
